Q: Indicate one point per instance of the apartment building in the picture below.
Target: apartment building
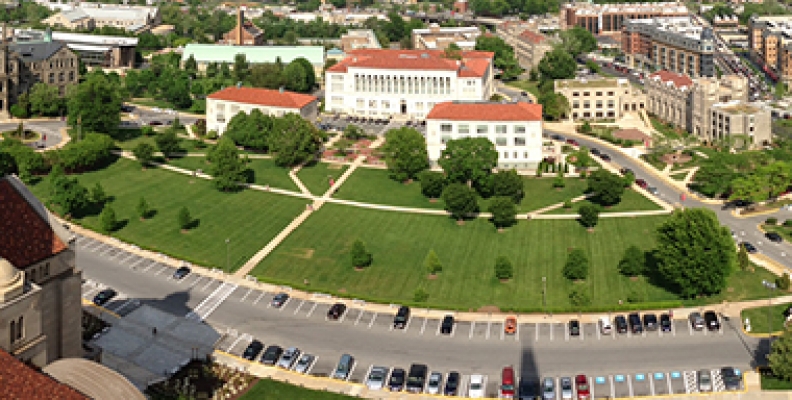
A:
(359, 39)
(600, 98)
(609, 19)
(223, 105)
(437, 38)
(514, 128)
(406, 83)
(672, 44)
(97, 15)
(530, 45)
(770, 44)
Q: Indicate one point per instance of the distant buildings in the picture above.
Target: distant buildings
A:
(223, 105)
(601, 98)
(359, 39)
(244, 33)
(97, 15)
(673, 44)
(406, 83)
(514, 128)
(205, 54)
(437, 38)
(608, 19)
(93, 50)
(530, 45)
(770, 43)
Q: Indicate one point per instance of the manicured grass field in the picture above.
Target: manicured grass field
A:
(315, 176)
(250, 219)
(631, 201)
(186, 145)
(265, 172)
(267, 389)
(759, 318)
(773, 383)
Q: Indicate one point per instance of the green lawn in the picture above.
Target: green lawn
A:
(770, 382)
(664, 129)
(249, 218)
(374, 186)
(267, 389)
(526, 85)
(631, 201)
(759, 318)
(785, 232)
(315, 176)
(187, 145)
(265, 172)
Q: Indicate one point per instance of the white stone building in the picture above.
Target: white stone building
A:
(405, 83)
(514, 128)
(223, 105)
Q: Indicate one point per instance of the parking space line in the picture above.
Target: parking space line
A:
(120, 253)
(566, 334)
(258, 298)
(423, 326)
(538, 327)
(670, 386)
(351, 370)
(629, 384)
(299, 306)
(239, 338)
(312, 310)
(651, 385)
(246, 295)
(108, 250)
(489, 325)
(360, 314)
(551, 331)
(207, 284)
(150, 264)
(123, 260)
(582, 333)
(472, 327)
(197, 279)
(613, 388)
(599, 336)
(503, 333)
(283, 306)
(164, 268)
(93, 245)
(517, 334)
(690, 328)
(141, 259)
(310, 367)
(374, 318)
(368, 372)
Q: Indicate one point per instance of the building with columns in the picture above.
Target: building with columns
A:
(406, 83)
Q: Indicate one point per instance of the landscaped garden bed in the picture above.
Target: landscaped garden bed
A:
(201, 379)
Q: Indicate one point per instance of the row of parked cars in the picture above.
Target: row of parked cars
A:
(636, 323)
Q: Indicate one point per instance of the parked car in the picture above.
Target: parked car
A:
(653, 190)
(510, 326)
(452, 384)
(548, 389)
(396, 382)
(289, 357)
(573, 142)
(711, 320)
(605, 326)
(402, 317)
(731, 378)
(751, 249)
(605, 157)
(582, 387)
(650, 322)
(344, 366)
(773, 237)
(528, 389)
(376, 378)
(434, 383)
(566, 388)
(104, 297)
(641, 183)
(416, 379)
(595, 151)
(253, 350)
(696, 321)
(447, 325)
(558, 138)
(181, 272)
(507, 388)
(635, 323)
(279, 300)
(574, 327)
(271, 355)
(621, 324)
(665, 322)
(476, 387)
(704, 381)
(304, 363)
(336, 311)
(625, 171)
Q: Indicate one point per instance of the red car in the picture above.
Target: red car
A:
(642, 183)
(573, 142)
(582, 386)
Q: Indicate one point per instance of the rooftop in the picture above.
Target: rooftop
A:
(592, 83)
(37, 51)
(482, 111)
(93, 379)
(737, 108)
(254, 54)
(472, 64)
(675, 79)
(20, 382)
(264, 97)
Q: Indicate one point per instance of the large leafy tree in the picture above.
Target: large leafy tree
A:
(310, 73)
(469, 160)
(167, 142)
(144, 153)
(577, 41)
(432, 184)
(695, 253)
(503, 211)
(510, 184)
(557, 64)
(8, 164)
(589, 215)
(504, 55)
(405, 153)
(227, 168)
(714, 178)
(94, 103)
(294, 140)
(45, 100)
(633, 262)
(576, 266)
(780, 356)
(251, 131)
(296, 78)
(607, 187)
(460, 200)
(241, 67)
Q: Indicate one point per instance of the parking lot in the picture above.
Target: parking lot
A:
(375, 126)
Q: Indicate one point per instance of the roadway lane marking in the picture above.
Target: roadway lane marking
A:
(211, 303)
(258, 298)
(566, 334)
(360, 314)
(164, 268)
(472, 327)
(629, 384)
(517, 334)
(423, 327)
(374, 318)
(311, 310)
(299, 306)
(246, 295)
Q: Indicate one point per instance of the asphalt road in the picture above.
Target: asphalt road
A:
(50, 130)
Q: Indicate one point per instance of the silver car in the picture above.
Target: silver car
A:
(704, 381)
(304, 363)
(434, 383)
(548, 389)
(696, 321)
(376, 378)
(289, 357)
(566, 388)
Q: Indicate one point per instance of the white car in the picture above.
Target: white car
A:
(476, 387)
(376, 378)
(434, 383)
(289, 357)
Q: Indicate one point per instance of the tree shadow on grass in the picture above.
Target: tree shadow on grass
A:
(121, 224)
(653, 275)
(195, 223)
(250, 175)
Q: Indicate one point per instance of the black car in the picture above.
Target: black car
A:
(452, 384)
(336, 311)
(447, 325)
(279, 300)
(731, 378)
(416, 379)
(751, 249)
(625, 171)
(253, 350)
(665, 322)
(181, 272)
(621, 324)
(605, 157)
(104, 296)
(774, 237)
(401, 318)
(271, 355)
(635, 323)
(125, 108)
(396, 382)
(711, 320)
(574, 328)
(650, 322)
(595, 151)
(528, 389)
(558, 137)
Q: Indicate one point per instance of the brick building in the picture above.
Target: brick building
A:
(244, 33)
(673, 44)
(608, 19)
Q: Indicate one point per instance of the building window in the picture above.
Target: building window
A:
(463, 129)
(599, 94)
(500, 129)
(505, 155)
(12, 331)
(575, 94)
(20, 328)
(519, 129)
(610, 93)
(525, 154)
(46, 270)
(501, 141)
(445, 128)
(482, 129)
(586, 94)
(51, 78)
(519, 141)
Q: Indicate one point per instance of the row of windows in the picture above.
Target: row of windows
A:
(16, 330)
(42, 271)
(59, 63)
(402, 85)
(598, 94)
(587, 104)
(501, 141)
(482, 129)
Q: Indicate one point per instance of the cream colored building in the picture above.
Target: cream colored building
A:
(222, 106)
(40, 287)
(600, 98)
(97, 15)
(530, 45)
(437, 38)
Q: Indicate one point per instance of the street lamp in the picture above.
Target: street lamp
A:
(544, 293)
(770, 287)
(227, 259)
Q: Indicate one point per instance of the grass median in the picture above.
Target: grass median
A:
(266, 389)
(765, 318)
(264, 170)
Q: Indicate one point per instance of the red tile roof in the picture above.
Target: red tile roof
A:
(472, 64)
(678, 80)
(532, 37)
(27, 237)
(459, 111)
(20, 382)
(264, 97)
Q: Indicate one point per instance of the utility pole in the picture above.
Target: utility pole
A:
(544, 293)
(227, 257)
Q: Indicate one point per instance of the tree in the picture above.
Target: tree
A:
(70, 195)
(503, 268)
(98, 195)
(743, 261)
(107, 219)
(167, 142)
(294, 140)
(295, 78)
(607, 187)
(94, 104)
(633, 262)
(310, 73)
(504, 55)
(45, 100)
(432, 263)
(8, 164)
(576, 266)
(22, 107)
(554, 105)
(143, 208)
(780, 356)
(503, 212)
(359, 255)
(579, 297)
(577, 41)
(184, 219)
(589, 215)
(714, 177)
(469, 160)
(144, 153)
(227, 168)
(240, 67)
(460, 200)
(695, 254)
(266, 75)
(432, 184)
(191, 66)
(586, 128)
(405, 153)
(557, 64)
(510, 184)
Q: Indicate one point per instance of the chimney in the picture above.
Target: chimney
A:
(240, 24)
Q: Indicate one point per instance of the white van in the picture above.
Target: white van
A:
(605, 325)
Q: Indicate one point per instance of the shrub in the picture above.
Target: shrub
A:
(788, 223)
(432, 184)
(771, 221)
(107, 219)
(212, 135)
(360, 256)
(503, 268)
(783, 281)
(568, 204)
(577, 265)
(579, 297)
(420, 295)
(184, 219)
(432, 263)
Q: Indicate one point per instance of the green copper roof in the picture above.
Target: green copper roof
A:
(205, 53)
